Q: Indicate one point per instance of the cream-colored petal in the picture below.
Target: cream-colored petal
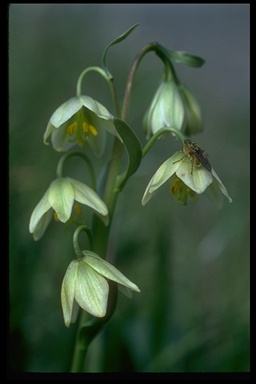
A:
(48, 132)
(166, 109)
(108, 270)
(42, 225)
(41, 208)
(164, 172)
(95, 107)
(61, 198)
(198, 180)
(214, 193)
(85, 195)
(60, 139)
(125, 291)
(68, 291)
(91, 291)
(222, 187)
(65, 111)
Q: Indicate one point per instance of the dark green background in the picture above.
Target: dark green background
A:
(191, 263)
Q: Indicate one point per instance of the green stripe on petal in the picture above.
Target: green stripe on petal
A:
(109, 271)
(61, 198)
(91, 291)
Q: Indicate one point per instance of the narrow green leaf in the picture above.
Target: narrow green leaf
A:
(116, 41)
(133, 149)
(186, 58)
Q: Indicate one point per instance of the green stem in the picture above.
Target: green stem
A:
(89, 328)
(106, 76)
(159, 133)
(81, 346)
(86, 333)
(127, 94)
(76, 243)
(65, 157)
(84, 73)
(100, 231)
(162, 53)
(114, 96)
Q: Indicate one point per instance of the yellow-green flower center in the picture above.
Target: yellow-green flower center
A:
(181, 191)
(80, 130)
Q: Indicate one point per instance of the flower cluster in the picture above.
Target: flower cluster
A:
(85, 122)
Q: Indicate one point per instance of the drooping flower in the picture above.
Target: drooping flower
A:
(187, 178)
(173, 106)
(86, 284)
(80, 120)
(59, 199)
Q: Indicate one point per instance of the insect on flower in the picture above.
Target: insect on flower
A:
(196, 155)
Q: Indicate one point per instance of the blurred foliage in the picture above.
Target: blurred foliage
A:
(191, 264)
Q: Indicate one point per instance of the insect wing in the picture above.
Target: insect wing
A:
(203, 160)
(199, 154)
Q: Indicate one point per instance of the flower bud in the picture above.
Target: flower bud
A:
(166, 110)
(193, 121)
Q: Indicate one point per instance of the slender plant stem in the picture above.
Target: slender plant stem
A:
(89, 327)
(159, 133)
(86, 333)
(81, 347)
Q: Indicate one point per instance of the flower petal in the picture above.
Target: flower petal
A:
(214, 193)
(60, 139)
(166, 109)
(107, 270)
(42, 225)
(95, 107)
(85, 195)
(68, 291)
(198, 180)
(125, 291)
(91, 291)
(41, 208)
(48, 132)
(61, 198)
(65, 111)
(222, 187)
(99, 116)
(164, 172)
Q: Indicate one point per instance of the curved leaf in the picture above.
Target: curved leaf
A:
(186, 58)
(133, 149)
(116, 41)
